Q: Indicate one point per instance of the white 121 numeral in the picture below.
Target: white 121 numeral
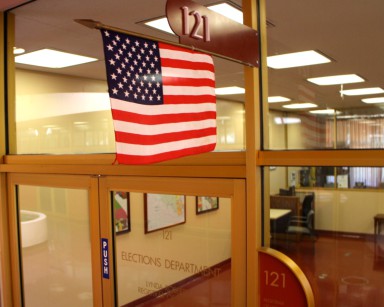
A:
(196, 26)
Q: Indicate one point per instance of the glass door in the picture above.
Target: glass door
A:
(127, 241)
(57, 240)
(175, 242)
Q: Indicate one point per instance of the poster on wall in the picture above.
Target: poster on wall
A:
(206, 204)
(163, 211)
(121, 212)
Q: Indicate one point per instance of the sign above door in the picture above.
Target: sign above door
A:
(206, 30)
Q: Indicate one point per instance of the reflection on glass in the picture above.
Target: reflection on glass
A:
(182, 265)
(333, 177)
(360, 129)
(121, 210)
(330, 232)
(367, 177)
(300, 130)
(352, 129)
(85, 125)
(55, 241)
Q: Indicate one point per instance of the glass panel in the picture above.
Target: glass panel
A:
(172, 250)
(359, 116)
(300, 131)
(56, 251)
(360, 128)
(331, 177)
(83, 126)
(334, 234)
(67, 110)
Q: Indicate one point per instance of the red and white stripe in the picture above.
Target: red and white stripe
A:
(184, 125)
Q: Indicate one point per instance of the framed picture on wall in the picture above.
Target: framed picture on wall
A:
(206, 204)
(163, 211)
(121, 212)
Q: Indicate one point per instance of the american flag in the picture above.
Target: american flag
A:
(162, 99)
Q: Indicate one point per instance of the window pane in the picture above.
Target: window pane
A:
(300, 131)
(331, 231)
(55, 242)
(360, 128)
(57, 115)
(359, 116)
(172, 250)
(67, 110)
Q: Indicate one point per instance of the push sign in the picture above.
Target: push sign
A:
(105, 257)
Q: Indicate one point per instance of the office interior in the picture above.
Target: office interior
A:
(306, 180)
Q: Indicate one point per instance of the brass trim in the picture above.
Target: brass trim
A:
(92, 24)
(353, 157)
(211, 158)
(63, 181)
(295, 269)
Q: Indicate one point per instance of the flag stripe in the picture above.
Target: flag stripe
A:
(189, 90)
(188, 81)
(188, 99)
(178, 53)
(162, 128)
(133, 138)
(146, 150)
(162, 109)
(161, 119)
(187, 73)
(185, 64)
(126, 158)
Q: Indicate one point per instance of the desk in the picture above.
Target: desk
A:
(279, 219)
(286, 202)
(275, 214)
(379, 220)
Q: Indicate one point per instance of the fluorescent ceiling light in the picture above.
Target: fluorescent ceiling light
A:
(228, 11)
(339, 79)
(274, 99)
(287, 120)
(222, 8)
(325, 111)
(17, 50)
(303, 58)
(362, 91)
(305, 105)
(52, 59)
(230, 90)
(160, 24)
(373, 100)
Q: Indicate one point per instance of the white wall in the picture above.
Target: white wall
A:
(62, 115)
(350, 211)
(177, 252)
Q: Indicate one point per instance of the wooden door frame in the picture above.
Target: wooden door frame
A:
(230, 188)
(88, 183)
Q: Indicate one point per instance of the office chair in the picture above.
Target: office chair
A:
(307, 205)
(302, 225)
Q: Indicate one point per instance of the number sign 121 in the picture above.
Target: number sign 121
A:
(198, 22)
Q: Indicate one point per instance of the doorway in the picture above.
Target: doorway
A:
(126, 241)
